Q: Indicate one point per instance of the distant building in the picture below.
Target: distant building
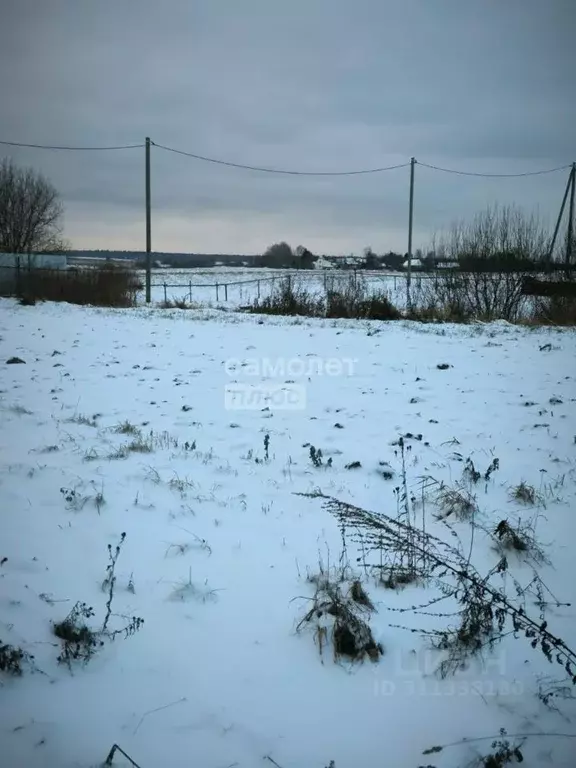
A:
(323, 263)
(415, 264)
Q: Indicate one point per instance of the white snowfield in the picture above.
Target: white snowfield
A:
(219, 543)
(230, 287)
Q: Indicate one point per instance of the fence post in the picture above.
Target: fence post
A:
(258, 282)
(190, 290)
(165, 295)
(216, 290)
(225, 291)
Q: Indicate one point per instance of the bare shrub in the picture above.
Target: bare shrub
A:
(348, 297)
(505, 753)
(11, 658)
(494, 253)
(519, 538)
(485, 613)
(455, 502)
(289, 298)
(524, 493)
(106, 286)
(353, 297)
(554, 310)
(79, 641)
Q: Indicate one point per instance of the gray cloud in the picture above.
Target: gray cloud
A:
(317, 85)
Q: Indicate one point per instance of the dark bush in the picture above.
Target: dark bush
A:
(107, 286)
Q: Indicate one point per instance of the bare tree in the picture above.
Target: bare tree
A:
(494, 253)
(30, 211)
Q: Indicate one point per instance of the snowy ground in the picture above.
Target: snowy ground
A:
(218, 545)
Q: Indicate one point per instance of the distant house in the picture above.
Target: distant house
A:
(347, 262)
(415, 264)
(323, 263)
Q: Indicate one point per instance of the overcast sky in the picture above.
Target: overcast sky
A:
(311, 85)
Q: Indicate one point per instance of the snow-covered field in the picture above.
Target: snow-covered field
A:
(219, 544)
(241, 286)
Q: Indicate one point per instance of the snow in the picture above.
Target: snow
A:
(218, 544)
(245, 285)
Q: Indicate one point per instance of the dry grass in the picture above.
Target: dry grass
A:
(455, 502)
(289, 298)
(84, 420)
(524, 494)
(519, 538)
(106, 286)
(338, 615)
(180, 304)
(126, 428)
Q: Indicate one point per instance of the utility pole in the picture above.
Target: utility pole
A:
(148, 228)
(410, 220)
(570, 234)
(569, 188)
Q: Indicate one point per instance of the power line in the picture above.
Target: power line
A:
(354, 173)
(283, 171)
(496, 175)
(279, 170)
(70, 149)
